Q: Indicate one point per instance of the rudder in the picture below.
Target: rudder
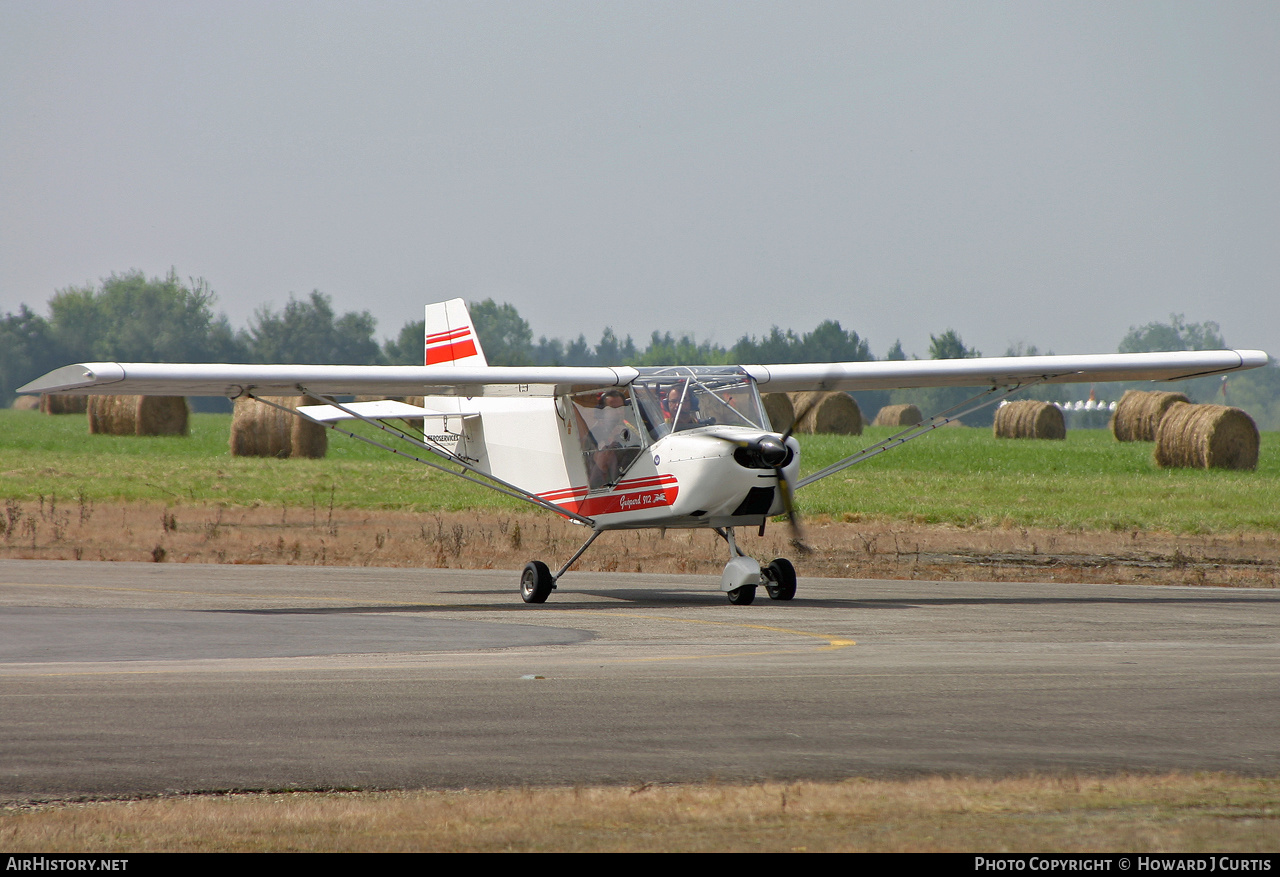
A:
(451, 337)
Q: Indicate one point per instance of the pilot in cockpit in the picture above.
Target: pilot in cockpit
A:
(612, 432)
(679, 413)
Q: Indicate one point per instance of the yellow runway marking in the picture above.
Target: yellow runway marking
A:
(832, 643)
(716, 657)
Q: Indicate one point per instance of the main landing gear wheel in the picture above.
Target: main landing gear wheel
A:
(780, 578)
(536, 583)
(743, 596)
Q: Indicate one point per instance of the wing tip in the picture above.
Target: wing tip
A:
(69, 378)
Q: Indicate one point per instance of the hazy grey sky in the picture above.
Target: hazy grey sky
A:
(1049, 173)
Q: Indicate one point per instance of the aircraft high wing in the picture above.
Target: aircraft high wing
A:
(233, 381)
(191, 379)
(620, 447)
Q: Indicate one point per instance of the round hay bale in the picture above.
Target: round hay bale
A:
(102, 415)
(1027, 418)
(828, 413)
(26, 403)
(1138, 414)
(780, 411)
(898, 415)
(138, 415)
(57, 404)
(803, 404)
(259, 430)
(307, 439)
(164, 415)
(1206, 437)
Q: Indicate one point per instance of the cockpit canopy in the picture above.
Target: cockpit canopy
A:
(677, 398)
(614, 425)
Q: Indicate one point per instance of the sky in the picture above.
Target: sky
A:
(1030, 173)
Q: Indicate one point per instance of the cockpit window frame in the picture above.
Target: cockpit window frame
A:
(717, 387)
(609, 446)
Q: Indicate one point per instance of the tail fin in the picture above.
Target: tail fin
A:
(450, 336)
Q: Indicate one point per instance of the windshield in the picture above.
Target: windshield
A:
(687, 397)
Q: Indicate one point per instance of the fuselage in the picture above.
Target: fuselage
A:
(638, 458)
(686, 479)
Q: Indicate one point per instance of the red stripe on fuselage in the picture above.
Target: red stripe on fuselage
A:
(633, 495)
(628, 484)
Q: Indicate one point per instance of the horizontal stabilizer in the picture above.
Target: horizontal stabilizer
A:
(381, 409)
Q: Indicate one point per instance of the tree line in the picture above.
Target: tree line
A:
(131, 317)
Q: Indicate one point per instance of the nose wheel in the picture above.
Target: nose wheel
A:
(780, 579)
(743, 574)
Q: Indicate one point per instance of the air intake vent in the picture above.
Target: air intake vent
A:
(758, 502)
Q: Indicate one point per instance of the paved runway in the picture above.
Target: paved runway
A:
(120, 679)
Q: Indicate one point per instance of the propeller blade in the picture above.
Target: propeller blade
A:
(793, 516)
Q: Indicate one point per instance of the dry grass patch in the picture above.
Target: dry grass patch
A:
(55, 528)
(1069, 814)
(846, 549)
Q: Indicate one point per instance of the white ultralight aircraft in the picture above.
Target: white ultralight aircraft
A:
(620, 447)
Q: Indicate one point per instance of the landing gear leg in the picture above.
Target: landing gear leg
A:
(741, 574)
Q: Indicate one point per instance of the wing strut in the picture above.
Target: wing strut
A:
(968, 406)
(470, 473)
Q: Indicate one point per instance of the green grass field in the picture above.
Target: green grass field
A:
(967, 477)
(964, 477)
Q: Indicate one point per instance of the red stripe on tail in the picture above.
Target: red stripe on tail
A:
(450, 352)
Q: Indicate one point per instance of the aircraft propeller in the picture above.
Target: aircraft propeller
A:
(789, 495)
(769, 452)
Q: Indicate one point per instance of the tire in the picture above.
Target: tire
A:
(782, 576)
(536, 583)
(743, 596)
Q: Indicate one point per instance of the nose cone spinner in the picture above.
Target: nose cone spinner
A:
(765, 452)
